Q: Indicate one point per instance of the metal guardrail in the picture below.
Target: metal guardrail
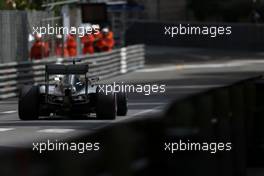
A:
(104, 65)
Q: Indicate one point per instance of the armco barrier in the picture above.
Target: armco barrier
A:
(104, 65)
(226, 114)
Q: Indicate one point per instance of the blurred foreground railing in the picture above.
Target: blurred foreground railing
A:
(230, 114)
(105, 65)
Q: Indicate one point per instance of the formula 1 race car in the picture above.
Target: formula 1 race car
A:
(70, 95)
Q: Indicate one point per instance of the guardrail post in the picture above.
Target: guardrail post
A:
(256, 152)
(237, 103)
(222, 120)
(142, 62)
(252, 133)
(203, 115)
(123, 60)
(124, 139)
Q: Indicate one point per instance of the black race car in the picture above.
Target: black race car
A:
(72, 94)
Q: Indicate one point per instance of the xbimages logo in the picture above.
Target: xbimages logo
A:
(59, 30)
(187, 29)
(80, 147)
(146, 89)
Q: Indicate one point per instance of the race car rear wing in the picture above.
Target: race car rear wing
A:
(54, 69)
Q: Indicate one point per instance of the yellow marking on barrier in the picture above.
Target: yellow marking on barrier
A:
(179, 67)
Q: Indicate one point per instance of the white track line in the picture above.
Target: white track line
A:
(140, 113)
(146, 111)
(9, 112)
(147, 103)
(6, 129)
(55, 130)
(193, 86)
(234, 63)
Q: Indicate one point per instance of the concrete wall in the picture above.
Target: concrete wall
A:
(244, 36)
(172, 9)
(164, 9)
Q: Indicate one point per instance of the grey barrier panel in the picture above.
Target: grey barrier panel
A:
(238, 128)
(194, 115)
(224, 114)
(222, 124)
(181, 114)
(256, 150)
(126, 139)
(203, 105)
(250, 105)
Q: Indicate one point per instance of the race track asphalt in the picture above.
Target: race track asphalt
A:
(180, 79)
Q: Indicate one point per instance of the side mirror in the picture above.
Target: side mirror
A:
(94, 79)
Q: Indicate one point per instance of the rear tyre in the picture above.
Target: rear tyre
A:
(28, 104)
(121, 104)
(106, 106)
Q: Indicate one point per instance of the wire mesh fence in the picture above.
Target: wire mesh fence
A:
(17, 33)
(13, 36)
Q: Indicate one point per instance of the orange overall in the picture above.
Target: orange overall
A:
(88, 44)
(71, 46)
